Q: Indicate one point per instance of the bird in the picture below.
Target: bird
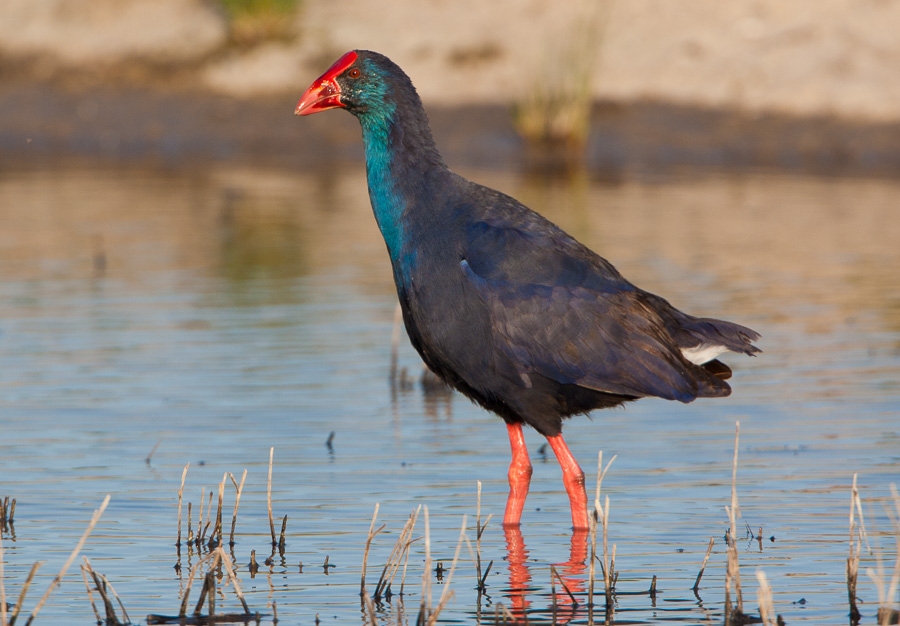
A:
(501, 303)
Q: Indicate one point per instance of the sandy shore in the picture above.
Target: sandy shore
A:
(807, 86)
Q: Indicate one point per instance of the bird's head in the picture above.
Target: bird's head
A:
(359, 81)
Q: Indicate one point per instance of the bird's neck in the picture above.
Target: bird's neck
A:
(400, 156)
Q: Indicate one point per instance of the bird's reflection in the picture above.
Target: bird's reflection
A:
(571, 575)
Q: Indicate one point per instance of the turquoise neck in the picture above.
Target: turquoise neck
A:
(387, 203)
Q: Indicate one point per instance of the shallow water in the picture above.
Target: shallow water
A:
(220, 312)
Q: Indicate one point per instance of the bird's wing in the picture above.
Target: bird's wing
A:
(562, 312)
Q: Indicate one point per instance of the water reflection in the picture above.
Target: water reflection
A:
(568, 574)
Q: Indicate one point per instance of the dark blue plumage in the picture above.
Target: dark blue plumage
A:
(501, 303)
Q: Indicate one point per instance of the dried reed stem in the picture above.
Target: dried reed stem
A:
(20, 601)
(733, 574)
(593, 521)
(853, 558)
(735, 511)
(372, 619)
(229, 567)
(369, 538)
(269, 496)
(190, 535)
(111, 618)
(281, 540)
(479, 531)
(607, 582)
(447, 593)
(425, 605)
(888, 590)
(180, 496)
(3, 621)
(199, 537)
(209, 517)
(764, 594)
(90, 593)
(237, 501)
(400, 550)
(216, 537)
(102, 583)
(62, 572)
(406, 553)
(182, 611)
(709, 548)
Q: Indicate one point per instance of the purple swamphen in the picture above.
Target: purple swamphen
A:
(501, 303)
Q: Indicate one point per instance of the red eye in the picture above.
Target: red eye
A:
(354, 73)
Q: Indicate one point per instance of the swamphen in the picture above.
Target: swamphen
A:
(502, 304)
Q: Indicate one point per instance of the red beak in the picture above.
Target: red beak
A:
(325, 93)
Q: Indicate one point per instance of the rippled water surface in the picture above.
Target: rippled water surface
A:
(204, 317)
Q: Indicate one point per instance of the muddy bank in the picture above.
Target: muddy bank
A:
(45, 123)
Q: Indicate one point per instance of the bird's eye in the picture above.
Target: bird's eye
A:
(354, 73)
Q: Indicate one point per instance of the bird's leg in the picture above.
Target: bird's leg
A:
(519, 475)
(573, 479)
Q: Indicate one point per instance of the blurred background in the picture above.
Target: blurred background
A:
(808, 84)
(190, 273)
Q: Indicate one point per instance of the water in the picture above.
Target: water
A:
(221, 311)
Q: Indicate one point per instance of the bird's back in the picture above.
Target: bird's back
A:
(533, 325)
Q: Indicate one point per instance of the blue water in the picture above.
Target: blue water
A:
(220, 312)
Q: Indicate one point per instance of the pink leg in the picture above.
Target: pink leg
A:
(573, 479)
(519, 475)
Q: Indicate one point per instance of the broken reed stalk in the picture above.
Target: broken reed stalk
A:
(180, 496)
(888, 590)
(281, 541)
(478, 531)
(369, 538)
(118, 599)
(62, 572)
(607, 566)
(229, 567)
(709, 548)
(111, 617)
(853, 558)
(102, 584)
(594, 518)
(215, 537)
(732, 573)
(399, 551)
(409, 541)
(764, 595)
(425, 604)
(87, 587)
(217, 533)
(447, 593)
(3, 621)
(199, 536)
(370, 614)
(7, 511)
(182, 611)
(190, 535)
(269, 497)
(209, 517)
(239, 489)
(20, 601)
(208, 592)
(481, 577)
